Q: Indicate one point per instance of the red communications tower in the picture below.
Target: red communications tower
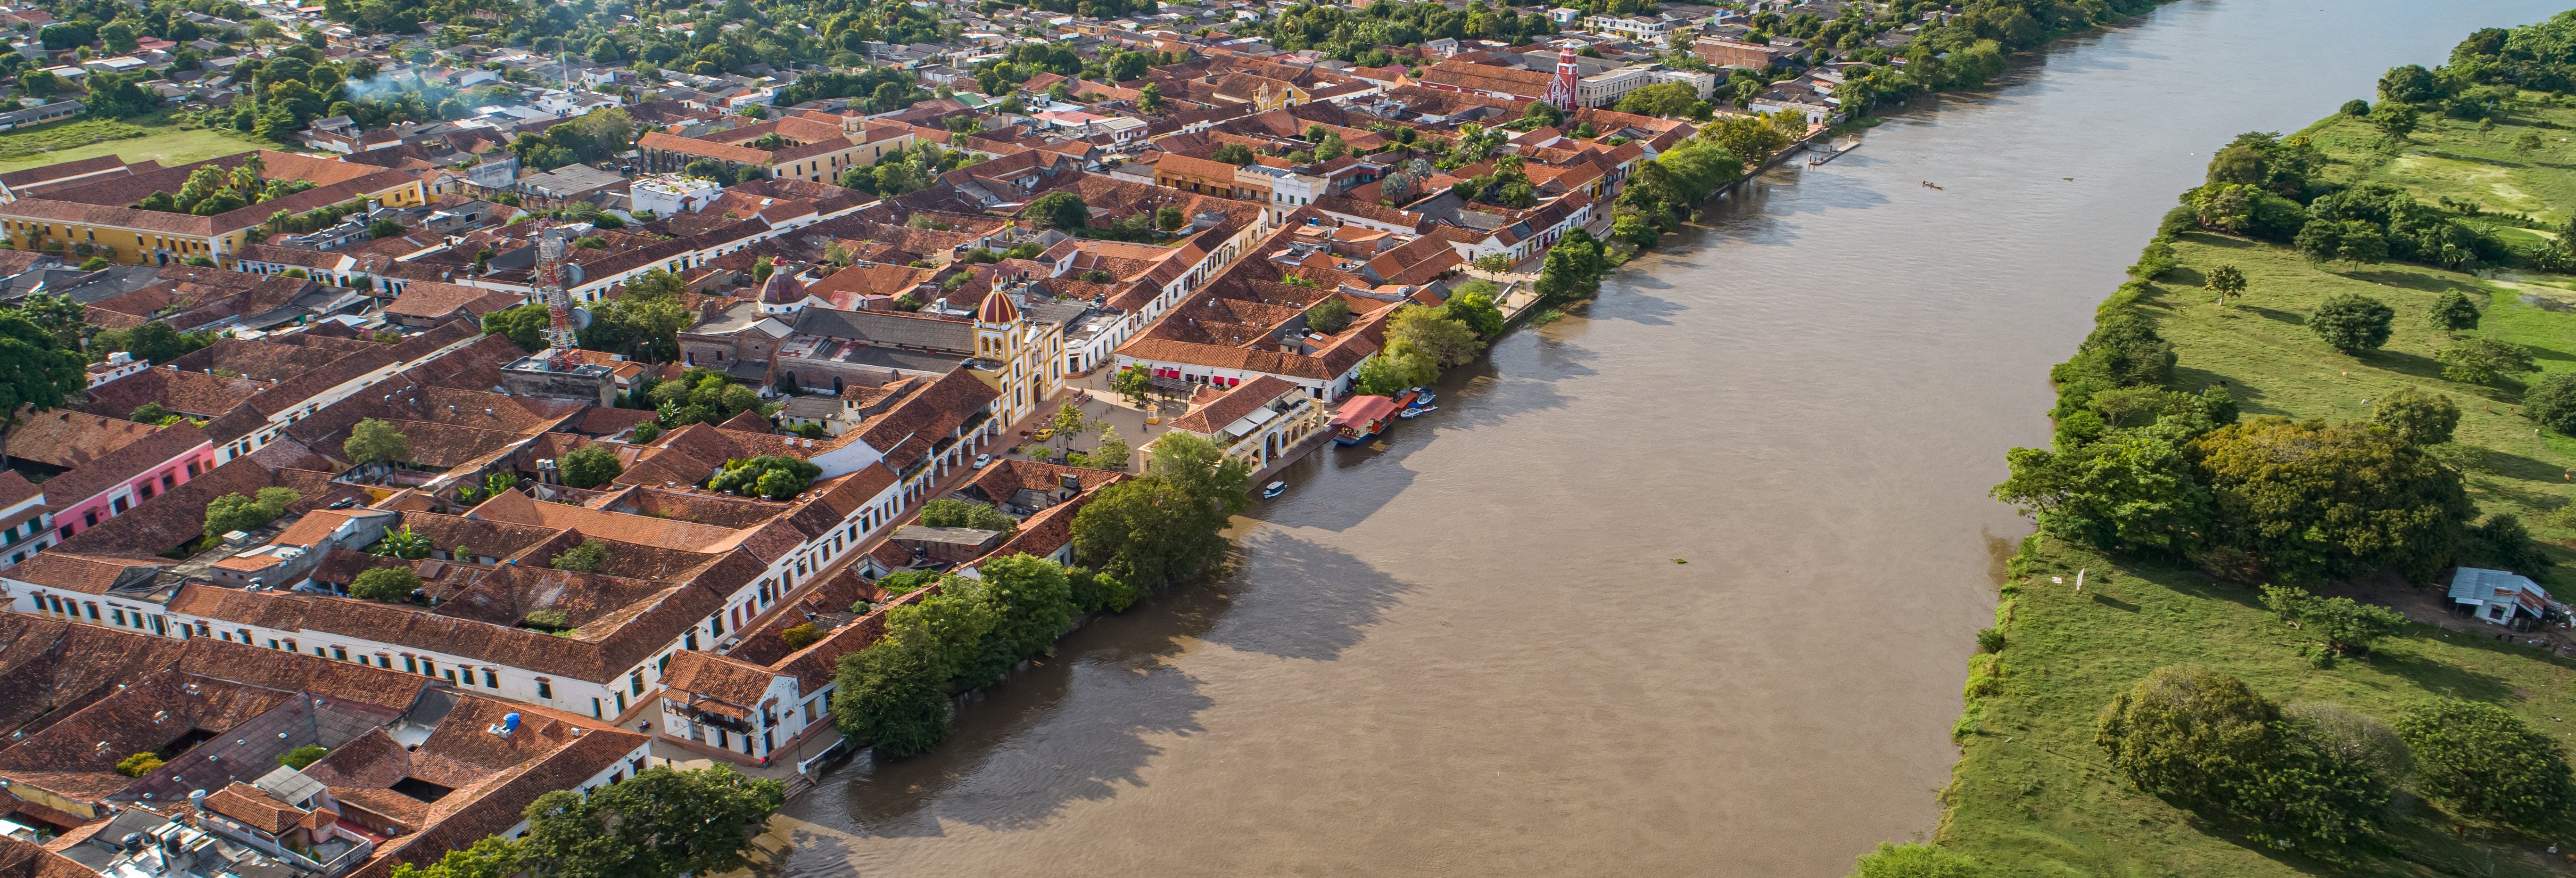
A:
(1561, 91)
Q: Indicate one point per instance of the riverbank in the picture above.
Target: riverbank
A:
(2033, 794)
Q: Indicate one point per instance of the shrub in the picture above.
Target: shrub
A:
(2207, 742)
(585, 558)
(385, 584)
(2352, 322)
(232, 512)
(2349, 627)
(801, 636)
(893, 696)
(2480, 761)
(2552, 402)
(590, 466)
(548, 620)
(2357, 739)
(645, 433)
(2484, 361)
(2416, 416)
(903, 582)
(771, 476)
(2501, 542)
(2453, 312)
(1990, 640)
(300, 757)
(951, 512)
(139, 764)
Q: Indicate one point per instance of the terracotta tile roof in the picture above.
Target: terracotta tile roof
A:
(117, 467)
(261, 360)
(51, 668)
(15, 487)
(194, 393)
(245, 803)
(703, 676)
(620, 527)
(434, 299)
(26, 859)
(71, 439)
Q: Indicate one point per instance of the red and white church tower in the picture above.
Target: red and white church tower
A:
(1561, 91)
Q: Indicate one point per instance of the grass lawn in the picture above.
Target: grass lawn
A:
(2033, 795)
(154, 138)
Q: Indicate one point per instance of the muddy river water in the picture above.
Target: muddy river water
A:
(1474, 653)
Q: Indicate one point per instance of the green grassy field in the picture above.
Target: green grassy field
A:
(2032, 794)
(153, 139)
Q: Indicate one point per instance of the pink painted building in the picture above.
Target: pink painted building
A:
(120, 480)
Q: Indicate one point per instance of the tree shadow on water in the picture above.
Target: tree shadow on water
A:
(1083, 724)
(1074, 727)
(1312, 601)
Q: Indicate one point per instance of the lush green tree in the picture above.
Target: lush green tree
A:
(2319, 501)
(1473, 304)
(2349, 627)
(771, 476)
(893, 695)
(1573, 268)
(36, 372)
(385, 584)
(2208, 742)
(404, 543)
(1165, 526)
(642, 323)
(590, 466)
(376, 441)
(1033, 601)
(1093, 591)
(2481, 761)
(1329, 315)
(2133, 491)
(2356, 738)
(1449, 342)
(2453, 312)
(155, 341)
(232, 512)
(1235, 154)
(1059, 210)
(2552, 402)
(2226, 281)
(2352, 322)
(2417, 416)
(65, 319)
(589, 557)
(1149, 98)
(525, 325)
(2394, 119)
(491, 857)
(660, 823)
(1134, 383)
(2484, 361)
(1671, 100)
(1395, 368)
(952, 512)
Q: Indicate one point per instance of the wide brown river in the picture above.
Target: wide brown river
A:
(1474, 654)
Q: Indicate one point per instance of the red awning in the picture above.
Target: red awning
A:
(1364, 409)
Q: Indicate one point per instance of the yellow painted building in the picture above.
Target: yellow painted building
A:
(96, 210)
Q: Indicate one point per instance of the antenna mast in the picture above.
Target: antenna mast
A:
(560, 338)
